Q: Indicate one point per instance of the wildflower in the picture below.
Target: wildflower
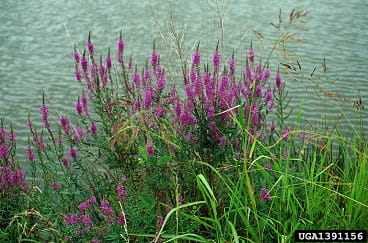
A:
(30, 153)
(258, 91)
(303, 137)
(64, 122)
(278, 82)
(29, 124)
(105, 208)
(255, 115)
(71, 219)
(120, 44)
(266, 74)
(222, 140)
(235, 143)
(121, 193)
(285, 154)
(87, 221)
(161, 83)
(65, 162)
(160, 221)
(4, 151)
(12, 137)
(124, 179)
(73, 153)
(84, 102)
(80, 232)
(150, 149)
(147, 99)
(82, 207)
(78, 108)
(84, 64)
(181, 200)
(265, 194)
(77, 75)
(12, 182)
(55, 186)
(284, 134)
(90, 47)
(251, 55)
(248, 74)
(130, 63)
(159, 111)
(136, 77)
(78, 135)
(39, 142)
(267, 166)
(154, 58)
(121, 220)
(186, 118)
(232, 66)
(76, 56)
(44, 115)
(95, 241)
(108, 62)
(268, 96)
(196, 58)
(91, 200)
(216, 58)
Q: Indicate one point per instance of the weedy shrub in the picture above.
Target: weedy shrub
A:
(212, 160)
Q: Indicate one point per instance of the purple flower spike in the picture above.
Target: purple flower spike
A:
(121, 193)
(154, 58)
(196, 58)
(78, 108)
(150, 149)
(284, 134)
(64, 122)
(76, 56)
(266, 74)
(251, 55)
(105, 208)
(90, 46)
(44, 115)
(55, 186)
(108, 62)
(77, 75)
(258, 91)
(65, 162)
(93, 129)
(147, 99)
(278, 82)
(267, 166)
(84, 64)
(216, 59)
(120, 44)
(30, 153)
(73, 153)
(265, 194)
(268, 96)
(232, 66)
(255, 115)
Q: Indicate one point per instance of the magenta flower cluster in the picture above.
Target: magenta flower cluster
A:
(83, 222)
(12, 182)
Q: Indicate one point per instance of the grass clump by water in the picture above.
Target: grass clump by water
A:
(213, 161)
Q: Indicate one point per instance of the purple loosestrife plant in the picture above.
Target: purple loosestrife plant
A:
(12, 182)
(265, 193)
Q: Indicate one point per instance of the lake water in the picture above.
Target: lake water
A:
(37, 37)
